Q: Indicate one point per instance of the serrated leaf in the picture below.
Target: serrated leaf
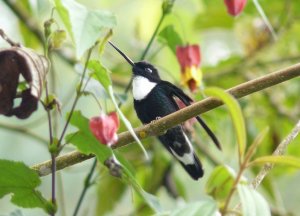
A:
(235, 113)
(253, 203)
(84, 25)
(220, 182)
(283, 160)
(21, 181)
(170, 37)
(84, 140)
(99, 73)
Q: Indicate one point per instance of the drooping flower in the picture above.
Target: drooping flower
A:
(105, 127)
(235, 7)
(189, 58)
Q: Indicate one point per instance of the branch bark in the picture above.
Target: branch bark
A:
(161, 125)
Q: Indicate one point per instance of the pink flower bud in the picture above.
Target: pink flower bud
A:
(235, 7)
(105, 127)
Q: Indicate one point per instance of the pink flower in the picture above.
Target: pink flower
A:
(104, 128)
(189, 58)
(235, 7)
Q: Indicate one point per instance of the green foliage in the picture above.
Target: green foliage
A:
(99, 73)
(84, 25)
(110, 191)
(18, 179)
(236, 115)
(233, 51)
(252, 202)
(206, 207)
(86, 143)
(220, 182)
(84, 140)
(284, 160)
(170, 37)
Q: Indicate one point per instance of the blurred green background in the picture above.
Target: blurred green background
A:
(233, 49)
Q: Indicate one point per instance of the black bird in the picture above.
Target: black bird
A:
(154, 98)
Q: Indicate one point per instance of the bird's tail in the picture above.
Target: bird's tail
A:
(195, 169)
(179, 145)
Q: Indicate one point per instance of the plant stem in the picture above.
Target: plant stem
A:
(243, 166)
(152, 37)
(278, 151)
(145, 52)
(76, 98)
(87, 184)
(161, 125)
(49, 117)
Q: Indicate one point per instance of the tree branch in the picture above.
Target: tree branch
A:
(161, 125)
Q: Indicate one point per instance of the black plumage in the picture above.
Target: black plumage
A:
(155, 98)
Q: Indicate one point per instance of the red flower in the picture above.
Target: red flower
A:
(104, 128)
(189, 59)
(235, 7)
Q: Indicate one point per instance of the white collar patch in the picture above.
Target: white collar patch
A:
(141, 87)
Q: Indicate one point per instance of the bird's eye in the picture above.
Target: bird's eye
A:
(148, 70)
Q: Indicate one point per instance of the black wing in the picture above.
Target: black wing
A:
(175, 91)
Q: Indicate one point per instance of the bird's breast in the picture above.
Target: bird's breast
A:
(141, 87)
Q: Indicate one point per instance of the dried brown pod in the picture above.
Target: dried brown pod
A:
(16, 61)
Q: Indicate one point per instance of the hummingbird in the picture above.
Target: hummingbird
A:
(155, 98)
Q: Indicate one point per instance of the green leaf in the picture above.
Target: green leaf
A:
(253, 203)
(126, 122)
(236, 115)
(150, 199)
(220, 182)
(258, 140)
(84, 140)
(99, 73)
(21, 181)
(85, 26)
(207, 207)
(170, 37)
(284, 160)
(115, 189)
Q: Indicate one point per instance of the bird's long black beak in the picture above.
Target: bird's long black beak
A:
(122, 54)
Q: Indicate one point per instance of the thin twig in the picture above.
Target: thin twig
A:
(7, 39)
(280, 150)
(76, 98)
(161, 125)
(87, 184)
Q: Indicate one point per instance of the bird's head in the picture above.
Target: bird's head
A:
(141, 68)
(146, 70)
